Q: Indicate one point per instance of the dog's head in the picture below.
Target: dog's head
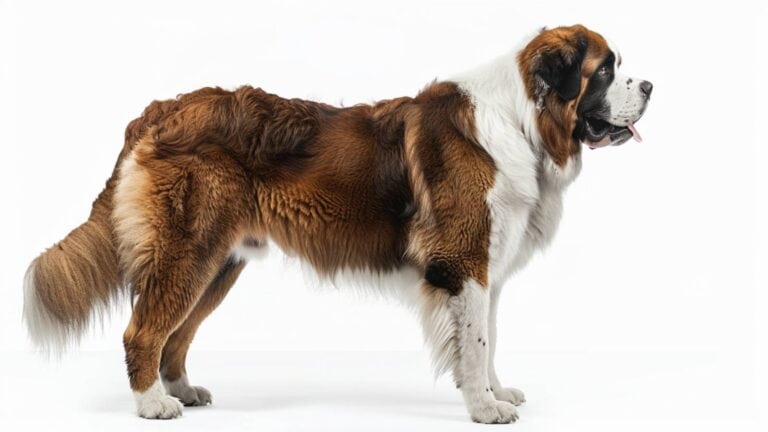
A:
(572, 75)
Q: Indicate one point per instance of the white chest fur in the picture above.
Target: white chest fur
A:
(526, 199)
(540, 226)
(525, 213)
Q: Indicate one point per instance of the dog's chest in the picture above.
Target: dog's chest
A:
(525, 213)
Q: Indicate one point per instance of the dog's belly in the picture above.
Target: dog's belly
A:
(250, 248)
(398, 283)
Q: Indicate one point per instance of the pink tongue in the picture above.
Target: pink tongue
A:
(635, 133)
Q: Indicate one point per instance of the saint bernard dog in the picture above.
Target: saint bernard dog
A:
(457, 187)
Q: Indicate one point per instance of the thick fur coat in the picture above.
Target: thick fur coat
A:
(458, 185)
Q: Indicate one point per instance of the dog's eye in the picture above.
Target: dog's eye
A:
(603, 71)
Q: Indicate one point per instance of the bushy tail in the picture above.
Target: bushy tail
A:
(74, 282)
(78, 279)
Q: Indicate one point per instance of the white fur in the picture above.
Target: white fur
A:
(46, 332)
(525, 201)
(130, 214)
(399, 285)
(52, 336)
(49, 334)
(244, 252)
(154, 403)
(470, 311)
(440, 330)
(624, 97)
(508, 394)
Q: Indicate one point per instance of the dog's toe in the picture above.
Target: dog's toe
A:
(203, 396)
(156, 404)
(193, 396)
(188, 395)
(494, 412)
(509, 394)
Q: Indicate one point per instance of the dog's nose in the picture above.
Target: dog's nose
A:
(646, 87)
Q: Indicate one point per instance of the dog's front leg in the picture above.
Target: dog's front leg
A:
(471, 309)
(509, 394)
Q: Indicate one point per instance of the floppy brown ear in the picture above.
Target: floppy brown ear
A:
(559, 68)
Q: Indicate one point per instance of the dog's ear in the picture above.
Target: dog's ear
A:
(559, 68)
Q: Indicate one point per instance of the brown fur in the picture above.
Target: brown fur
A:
(557, 119)
(172, 364)
(80, 271)
(81, 274)
(328, 184)
(370, 187)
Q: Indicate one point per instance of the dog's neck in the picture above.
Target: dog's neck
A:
(499, 85)
(504, 108)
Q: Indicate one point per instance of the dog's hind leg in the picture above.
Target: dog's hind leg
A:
(176, 220)
(172, 364)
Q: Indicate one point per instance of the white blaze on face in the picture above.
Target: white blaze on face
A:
(624, 96)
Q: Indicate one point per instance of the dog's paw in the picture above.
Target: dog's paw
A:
(156, 404)
(165, 407)
(188, 395)
(494, 412)
(192, 395)
(509, 394)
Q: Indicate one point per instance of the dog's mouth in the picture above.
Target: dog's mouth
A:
(600, 133)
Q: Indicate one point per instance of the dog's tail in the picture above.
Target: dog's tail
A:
(73, 282)
(79, 278)
(78, 281)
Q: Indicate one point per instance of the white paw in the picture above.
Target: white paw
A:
(165, 407)
(155, 404)
(509, 394)
(187, 394)
(494, 412)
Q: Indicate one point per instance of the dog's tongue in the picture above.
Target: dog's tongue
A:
(635, 133)
(606, 140)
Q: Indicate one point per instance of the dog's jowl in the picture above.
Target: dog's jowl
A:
(458, 185)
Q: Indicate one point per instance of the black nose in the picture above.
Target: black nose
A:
(646, 87)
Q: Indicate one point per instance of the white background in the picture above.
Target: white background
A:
(647, 312)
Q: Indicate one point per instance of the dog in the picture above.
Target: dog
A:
(457, 186)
